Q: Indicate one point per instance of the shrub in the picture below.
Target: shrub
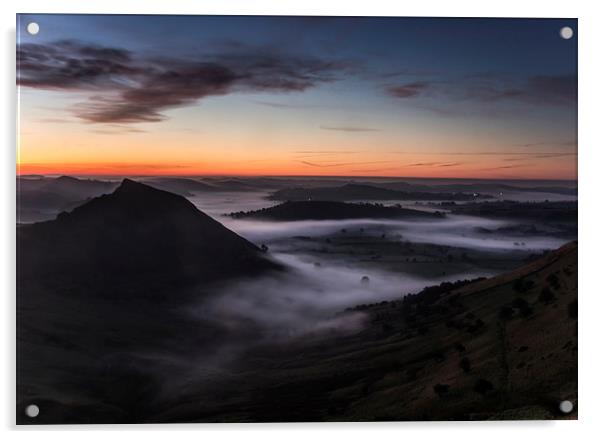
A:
(441, 389)
(483, 386)
(526, 311)
(522, 285)
(572, 309)
(553, 281)
(523, 306)
(478, 324)
(460, 347)
(546, 296)
(506, 312)
(465, 364)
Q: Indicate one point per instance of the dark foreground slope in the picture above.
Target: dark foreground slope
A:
(135, 231)
(332, 210)
(500, 348)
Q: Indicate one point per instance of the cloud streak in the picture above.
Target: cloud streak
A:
(350, 129)
(408, 90)
(126, 89)
(332, 165)
(485, 90)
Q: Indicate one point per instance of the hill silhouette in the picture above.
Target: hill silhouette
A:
(332, 210)
(136, 231)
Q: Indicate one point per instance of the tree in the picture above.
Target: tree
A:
(572, 309)
(441, 389)
(483, 386)
(506, 312)
(546, 296)
(553, 281)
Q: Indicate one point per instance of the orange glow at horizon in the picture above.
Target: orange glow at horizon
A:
(415, 167)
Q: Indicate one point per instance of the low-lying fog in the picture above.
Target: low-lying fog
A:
(317, 287)
(309, 297)
(454, 230)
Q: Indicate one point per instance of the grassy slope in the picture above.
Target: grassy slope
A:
(390, 370)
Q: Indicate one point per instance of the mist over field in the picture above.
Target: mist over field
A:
(309, 296)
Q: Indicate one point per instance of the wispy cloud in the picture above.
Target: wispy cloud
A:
(487, 153)
(476, 94)
(497, 168)
(290, 106)
(408, 90)
(309, 154)
(318, 151)
(54, 120)
(337, 164)
(127, 89)
(117, 129)
(569, 143)
(434, 164)
(321, 165)
(350, 129)
(447, 165)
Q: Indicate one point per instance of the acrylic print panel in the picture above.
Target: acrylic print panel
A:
(272, 219)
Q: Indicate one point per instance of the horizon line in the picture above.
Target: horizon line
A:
(89, 175)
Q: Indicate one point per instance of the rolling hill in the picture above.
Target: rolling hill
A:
(332, 210)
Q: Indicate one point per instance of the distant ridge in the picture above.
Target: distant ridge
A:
(351, 192)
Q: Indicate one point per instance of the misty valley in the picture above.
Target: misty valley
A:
(240, 299)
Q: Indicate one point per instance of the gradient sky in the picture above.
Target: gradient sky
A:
(214, 95)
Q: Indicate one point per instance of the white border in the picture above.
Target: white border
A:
(590, 99)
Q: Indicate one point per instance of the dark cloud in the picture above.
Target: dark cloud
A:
(485, 94)
(408, 90)
(139, 90)
(540, 89)
(351, 129)
(67, 65)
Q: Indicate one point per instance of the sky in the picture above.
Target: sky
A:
(354, 96)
